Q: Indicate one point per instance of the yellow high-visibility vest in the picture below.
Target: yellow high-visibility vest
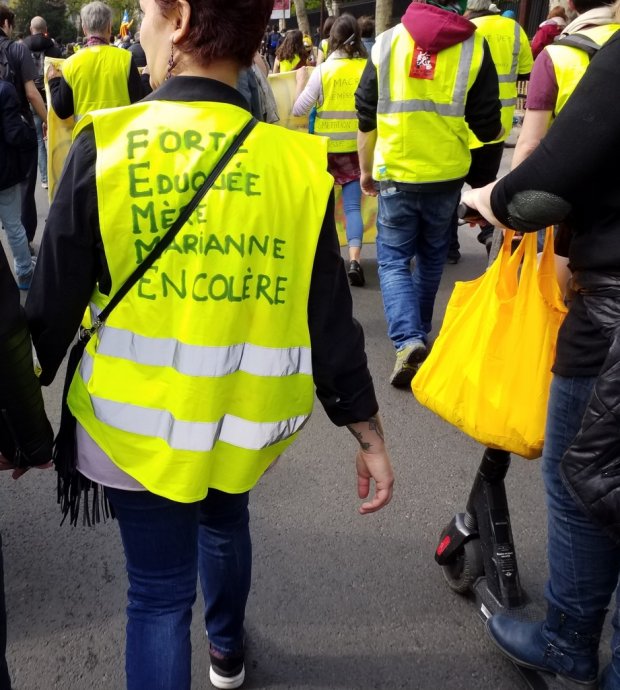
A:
(289, 65)
(570, 64)
(98, 78)
(336, 117)
(422, 135)
(202, 375)
(512, 55)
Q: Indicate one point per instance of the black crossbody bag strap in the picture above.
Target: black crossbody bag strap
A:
(165, 241)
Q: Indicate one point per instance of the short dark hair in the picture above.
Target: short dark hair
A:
(224, 29)
(582, 6)
(327, 26)
(6, 13)
(367, 26)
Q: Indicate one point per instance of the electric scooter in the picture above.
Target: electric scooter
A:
(477, 554)
(476, 549)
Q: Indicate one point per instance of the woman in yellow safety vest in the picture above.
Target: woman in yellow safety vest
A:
(323, 51)
(291, 53)
(206, 368)
(332, 88)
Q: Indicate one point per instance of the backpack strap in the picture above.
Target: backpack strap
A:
(580, 41)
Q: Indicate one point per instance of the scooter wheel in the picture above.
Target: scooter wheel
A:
(465, 568)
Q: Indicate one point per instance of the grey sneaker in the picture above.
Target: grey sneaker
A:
(408, 359)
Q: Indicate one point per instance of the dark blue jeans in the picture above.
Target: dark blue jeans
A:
(167, 544)
(584, 562)
(412, 225)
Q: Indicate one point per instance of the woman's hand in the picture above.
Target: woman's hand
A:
(19, 471)
(53, 73)
(480, 200)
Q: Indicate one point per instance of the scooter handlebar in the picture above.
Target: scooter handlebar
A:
(468, 214)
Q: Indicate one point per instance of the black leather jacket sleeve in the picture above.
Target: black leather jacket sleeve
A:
(25, 433)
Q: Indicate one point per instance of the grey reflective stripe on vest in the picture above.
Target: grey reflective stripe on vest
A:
(508, 102)
(188, 436)
(512, 77)
(198, 360)
(455, 108)
(338, 136)
(336, 114)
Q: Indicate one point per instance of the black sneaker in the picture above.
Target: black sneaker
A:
(226, 672)
(356, 274)
(454, 256)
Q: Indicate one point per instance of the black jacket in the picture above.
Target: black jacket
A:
(25, 434)
(591, 466)
(17, 138)
(40, 47)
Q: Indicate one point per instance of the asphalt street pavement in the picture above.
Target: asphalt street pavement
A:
(338, 600)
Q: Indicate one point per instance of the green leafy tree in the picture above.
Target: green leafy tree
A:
(118, 7)
(54, 13)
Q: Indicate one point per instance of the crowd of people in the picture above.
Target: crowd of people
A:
(203, 339)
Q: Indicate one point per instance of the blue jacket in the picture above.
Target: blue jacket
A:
(17, 138)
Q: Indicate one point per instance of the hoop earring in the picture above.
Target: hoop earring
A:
(171, 63)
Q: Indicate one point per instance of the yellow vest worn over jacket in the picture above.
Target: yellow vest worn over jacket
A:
(422, 135)
(202, 375)
(512, 55)
(98, 78)
(336, 118)
(570, 64)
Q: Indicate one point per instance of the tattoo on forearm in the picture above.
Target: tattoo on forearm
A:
(374, 425)
(360, 438)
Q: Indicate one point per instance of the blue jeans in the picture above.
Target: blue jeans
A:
(10, 215)
(412, 225)
(167, 545)
(42, 149)
(351, 202)
(584, 562)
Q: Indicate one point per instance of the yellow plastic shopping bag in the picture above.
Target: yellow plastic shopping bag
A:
(489, 371)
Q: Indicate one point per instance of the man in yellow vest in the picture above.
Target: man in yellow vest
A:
(512, 55)
(101, 77)
(429, 80)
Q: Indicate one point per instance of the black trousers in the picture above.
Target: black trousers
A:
(485, 162)
(5, 680)
(29, 205)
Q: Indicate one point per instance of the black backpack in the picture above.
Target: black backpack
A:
(38, 57)
(6, 71)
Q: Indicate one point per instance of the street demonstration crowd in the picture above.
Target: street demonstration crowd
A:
(207, 321)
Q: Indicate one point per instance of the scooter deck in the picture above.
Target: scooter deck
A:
(487, 605)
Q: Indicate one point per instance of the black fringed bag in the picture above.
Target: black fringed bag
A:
(73, 487)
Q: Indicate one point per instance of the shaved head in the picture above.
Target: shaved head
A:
(38, 25)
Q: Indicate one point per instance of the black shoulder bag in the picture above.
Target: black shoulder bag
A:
(71, 484)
